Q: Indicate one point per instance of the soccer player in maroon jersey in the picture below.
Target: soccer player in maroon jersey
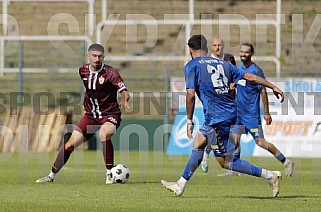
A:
(101, 110)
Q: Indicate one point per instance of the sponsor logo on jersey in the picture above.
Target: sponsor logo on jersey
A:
(242, 82)
(222, 90)
(214, 146)
(254, 130)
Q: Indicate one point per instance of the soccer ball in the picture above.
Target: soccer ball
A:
(120, 173)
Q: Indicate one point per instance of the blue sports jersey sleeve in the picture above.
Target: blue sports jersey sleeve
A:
(190, 77)
(248, 95)
(237, 74)
(260, 73)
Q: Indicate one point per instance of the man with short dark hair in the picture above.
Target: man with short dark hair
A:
(217, 52)
(248, 109)
(101, 111)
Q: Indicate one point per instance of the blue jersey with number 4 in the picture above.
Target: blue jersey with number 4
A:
(248, 94)
(211, 80)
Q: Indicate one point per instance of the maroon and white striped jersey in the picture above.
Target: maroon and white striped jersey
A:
(101, 87)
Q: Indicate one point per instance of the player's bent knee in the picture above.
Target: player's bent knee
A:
(199, 145)
(262, 143)
(200, 142)
(106, 131)
(105, 137)
(69, 147)
(222, 162)
(222, 165)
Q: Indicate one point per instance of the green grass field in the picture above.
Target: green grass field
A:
(80, 185)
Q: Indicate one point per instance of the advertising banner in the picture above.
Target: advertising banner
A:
(295, 129)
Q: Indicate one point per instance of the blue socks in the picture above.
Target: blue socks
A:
(193, 162)
(278, 155)
(238, 165)
(236, 156)
(245, 167)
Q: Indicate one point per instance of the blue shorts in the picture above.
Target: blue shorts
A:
(221, 139)
(203, 130)
(251, 125)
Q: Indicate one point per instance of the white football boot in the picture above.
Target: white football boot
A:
(275, 182)
(109, 179)
(45, 179)
(174, 187)
(288, 165)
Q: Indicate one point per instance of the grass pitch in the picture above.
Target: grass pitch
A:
(80, 186)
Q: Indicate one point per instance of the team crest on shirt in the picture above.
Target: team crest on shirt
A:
(101, 80)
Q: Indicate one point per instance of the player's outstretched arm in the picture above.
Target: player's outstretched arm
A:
(124, 100)
(259, 80)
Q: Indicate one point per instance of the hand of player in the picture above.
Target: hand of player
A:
(268, 118)
(278, 93)
(190, 128)
(233, 89)
(123, 104)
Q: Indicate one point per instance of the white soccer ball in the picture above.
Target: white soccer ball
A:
(120, 173)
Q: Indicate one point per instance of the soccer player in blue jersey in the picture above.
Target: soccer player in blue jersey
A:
(248, 109)
(217, 52)
(210, 79)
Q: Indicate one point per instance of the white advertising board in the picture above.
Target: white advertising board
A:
(296, 125)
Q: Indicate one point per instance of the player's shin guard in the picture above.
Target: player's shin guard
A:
(108, 152)
(245, 167)
(193, 162)
(61, 159)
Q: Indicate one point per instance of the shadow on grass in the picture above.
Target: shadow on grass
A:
(144, 182)
(277, 198)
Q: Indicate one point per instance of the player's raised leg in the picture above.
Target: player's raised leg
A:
(224, 153)
(237, 130)
(202, 138)
(243, 166)
(75, 140)
(194, 161)
(288, 164)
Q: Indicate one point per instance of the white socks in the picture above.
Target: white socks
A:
(182, 182)
(108, 171)
(52, 175)
(266, 174)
